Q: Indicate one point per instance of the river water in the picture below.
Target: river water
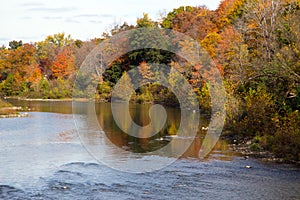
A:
(43, 157)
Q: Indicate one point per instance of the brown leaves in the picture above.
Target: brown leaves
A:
(196, 23)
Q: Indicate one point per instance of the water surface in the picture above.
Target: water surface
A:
(42, 157)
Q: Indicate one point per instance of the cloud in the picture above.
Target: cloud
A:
(26, 18)
(69, 20)
(27, 38)
(106, 16)
(4, 38)
(41, 7)
(96, 21)
(52, 18)
(32, 4)
(53, 10)
(91, 18)
(86, 16)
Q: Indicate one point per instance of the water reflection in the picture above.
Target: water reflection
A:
(140, 115)
(142, 143)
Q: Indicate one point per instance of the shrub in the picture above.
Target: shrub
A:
(285, 140)
(255, 147)
(257, 116)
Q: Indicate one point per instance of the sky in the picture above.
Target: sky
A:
(33, 20)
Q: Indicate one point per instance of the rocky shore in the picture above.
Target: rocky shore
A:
(245, 148)
(9, 112)
(14, 115)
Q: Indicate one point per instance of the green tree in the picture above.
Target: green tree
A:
(15, 44)
(143, 39)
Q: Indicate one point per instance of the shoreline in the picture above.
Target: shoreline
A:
(11, 112)
(242, 147)
(15, 115)
(49, 100)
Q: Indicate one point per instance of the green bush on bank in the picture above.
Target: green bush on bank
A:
(270, 127)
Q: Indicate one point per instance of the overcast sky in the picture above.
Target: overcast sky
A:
(33, 20)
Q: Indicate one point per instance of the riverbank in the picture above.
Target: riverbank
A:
(10, 112)
(14, 115)
(54, 100)
(246, 147)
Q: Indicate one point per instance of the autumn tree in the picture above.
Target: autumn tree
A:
(229, 11)
(123, 90)
(271, 32)
(82, 52)
(146, 72)
(233, 56)
(48, 49)
(19, 68)
(63, 65)
(168, 20)
(196, 22)
(124, 27)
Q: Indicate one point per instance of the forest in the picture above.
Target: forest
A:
(255, 45)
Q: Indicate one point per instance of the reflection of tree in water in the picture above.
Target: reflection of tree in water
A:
(67, 136)
(140, 115)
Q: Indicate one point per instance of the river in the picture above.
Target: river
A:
(43, 157)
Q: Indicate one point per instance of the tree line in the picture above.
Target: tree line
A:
(254, 44)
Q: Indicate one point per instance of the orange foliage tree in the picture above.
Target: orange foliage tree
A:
(63, 65)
